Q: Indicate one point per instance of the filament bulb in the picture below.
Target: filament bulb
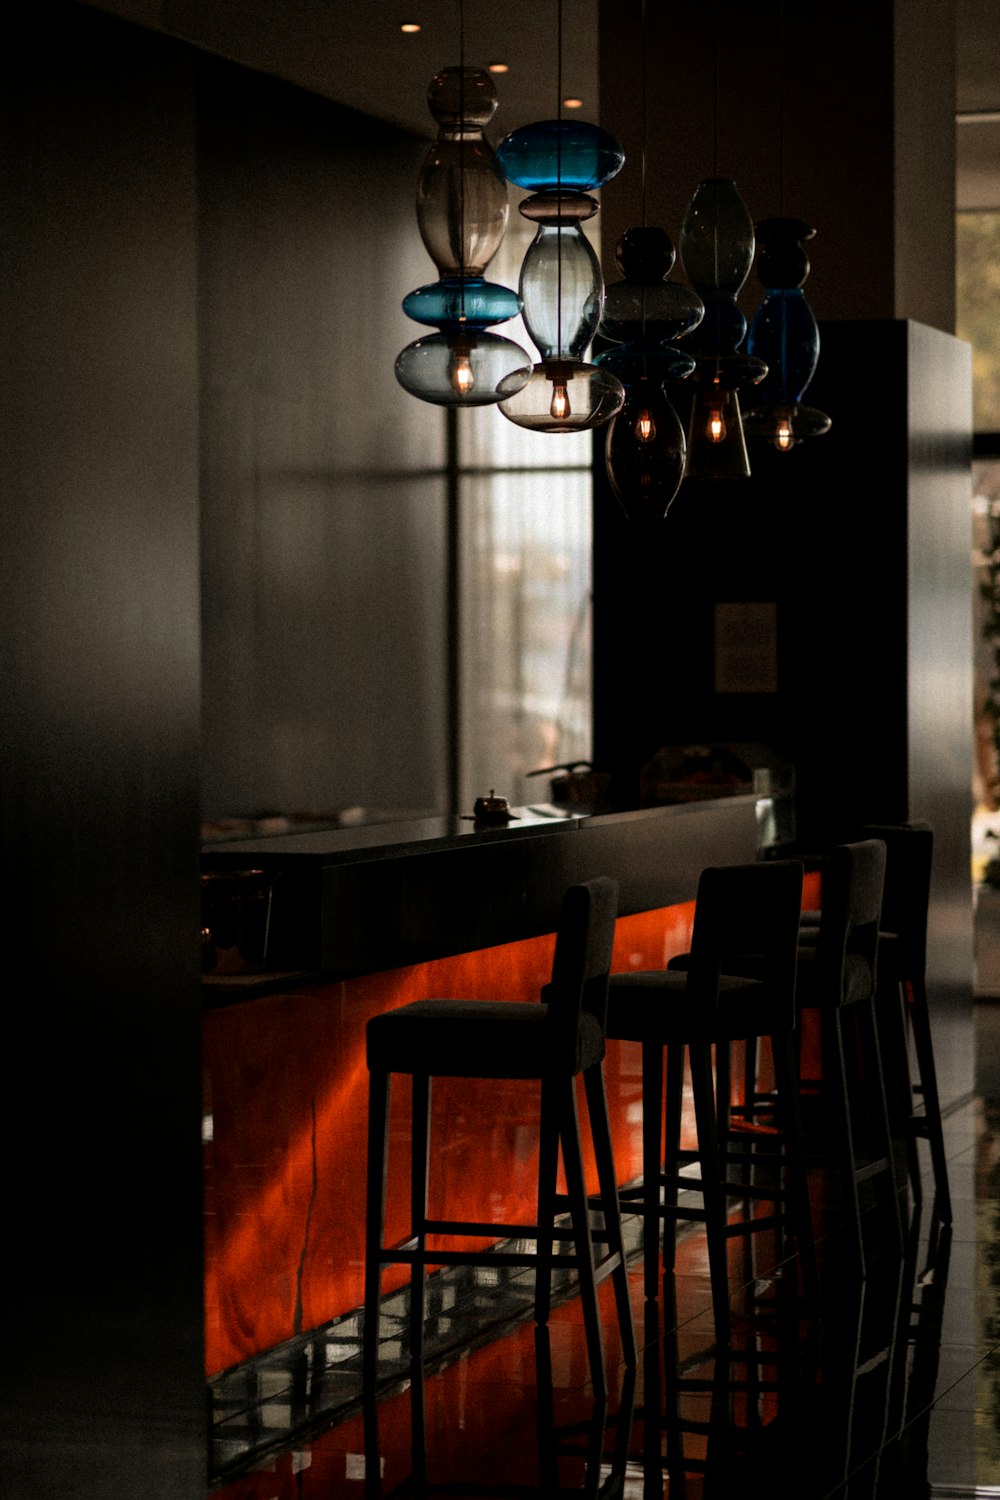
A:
(716, 425)
(560, 401)
(461, 373)
(783, 438)
(645, 427)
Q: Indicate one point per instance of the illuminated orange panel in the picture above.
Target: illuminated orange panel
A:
(287, 1093)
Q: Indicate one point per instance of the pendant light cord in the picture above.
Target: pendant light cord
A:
(781, 109)
(461, 155)
(559, 73)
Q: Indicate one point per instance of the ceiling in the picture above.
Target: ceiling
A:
(354, 51)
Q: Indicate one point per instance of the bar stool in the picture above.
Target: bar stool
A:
(740, 910)
(554, 1041)
(902, 989)
(837, 976)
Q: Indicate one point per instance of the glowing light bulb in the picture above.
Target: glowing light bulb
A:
(716, 425)
(461, 374)
(645, 427)
(783, 438)
(560, 401)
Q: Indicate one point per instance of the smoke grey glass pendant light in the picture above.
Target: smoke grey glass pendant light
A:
(462, 213)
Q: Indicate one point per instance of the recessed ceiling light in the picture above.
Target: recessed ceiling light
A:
(497, 67)
(410, 26)
(573, 103)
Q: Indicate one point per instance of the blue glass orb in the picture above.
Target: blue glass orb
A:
(470, 368)
(561, 291)
(565, 396)
(645, 452)
(783, 333)
(717, 239)
(631, 362)
(560, 153)
(457, 302)
(653, 311)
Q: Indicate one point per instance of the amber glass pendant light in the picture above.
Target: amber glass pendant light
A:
(462, 213)
(561, 162)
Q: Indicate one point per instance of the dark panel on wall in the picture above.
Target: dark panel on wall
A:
(323, 521)
(102, 1324)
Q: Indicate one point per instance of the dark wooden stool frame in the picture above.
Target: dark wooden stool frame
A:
(554, 1042)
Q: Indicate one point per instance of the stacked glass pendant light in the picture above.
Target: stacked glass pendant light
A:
(644, 313)
(462, 210)
(784, 334)
(561, 162)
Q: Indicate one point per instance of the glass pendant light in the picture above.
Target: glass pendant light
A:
(783, 332)
(717, 249)
(645, 449)
(462, 213)
(560, 162)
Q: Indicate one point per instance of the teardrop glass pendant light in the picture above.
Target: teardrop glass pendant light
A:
(717, 249)
(560, 163)
(462, 213)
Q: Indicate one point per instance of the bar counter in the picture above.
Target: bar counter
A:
(368, 919)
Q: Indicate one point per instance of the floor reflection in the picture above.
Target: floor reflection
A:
(891, 1388)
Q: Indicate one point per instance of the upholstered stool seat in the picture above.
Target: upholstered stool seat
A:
(481, 1039)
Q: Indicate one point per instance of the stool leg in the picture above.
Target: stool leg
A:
(712, 1190)
(548, 1166)
(923, 1043)
(835, 1098)
(671, 1149)
(378, 1162)
(652, 1120)
(569, 1136)
(419, 1168)
(600, 1129)
(784, 1062)
(874, 1077)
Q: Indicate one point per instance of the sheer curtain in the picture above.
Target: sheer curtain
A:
(525, 568)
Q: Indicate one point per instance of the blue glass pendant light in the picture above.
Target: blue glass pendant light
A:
(560, 162)
(717, 248)
(783, 332)
(462, 213)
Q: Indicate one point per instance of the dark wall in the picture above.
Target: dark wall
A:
(103, 1391)
(323, 494)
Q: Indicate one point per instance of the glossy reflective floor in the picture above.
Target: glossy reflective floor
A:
(890, 1389)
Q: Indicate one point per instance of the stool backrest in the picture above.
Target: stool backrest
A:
(909, 857)
(582, 962)
(847, 947)
(746, 921)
